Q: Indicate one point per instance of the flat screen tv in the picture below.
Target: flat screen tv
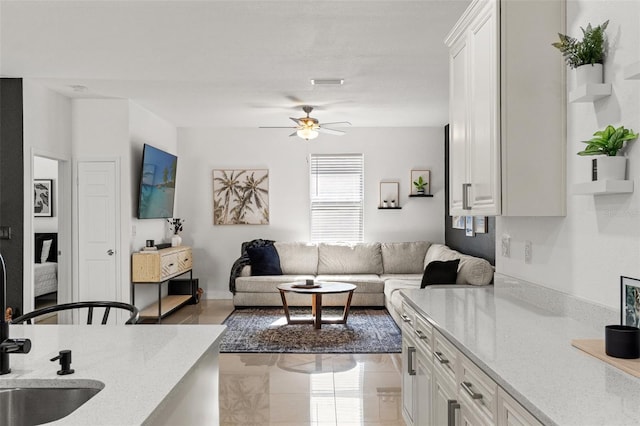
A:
(157, 183)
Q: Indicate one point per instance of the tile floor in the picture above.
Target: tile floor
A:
(301, 389)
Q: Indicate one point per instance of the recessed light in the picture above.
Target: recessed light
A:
(78, 88)
(335, 81)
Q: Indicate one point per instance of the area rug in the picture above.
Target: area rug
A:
(266, 330)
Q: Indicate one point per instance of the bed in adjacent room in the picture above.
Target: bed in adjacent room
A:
(45, 279)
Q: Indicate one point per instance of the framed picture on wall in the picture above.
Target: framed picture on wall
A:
(480, 225)
(469, 229)
(457, 222)
(629, 301)
(420, 182)
(389, 195)
(43, 197)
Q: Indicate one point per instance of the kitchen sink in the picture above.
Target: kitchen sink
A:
(38, 405)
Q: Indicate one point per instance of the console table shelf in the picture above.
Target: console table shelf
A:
(158, 267)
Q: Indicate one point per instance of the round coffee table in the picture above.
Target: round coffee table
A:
(316, 293)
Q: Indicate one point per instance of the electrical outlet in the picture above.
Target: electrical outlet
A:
(527, 251)
(506, 246)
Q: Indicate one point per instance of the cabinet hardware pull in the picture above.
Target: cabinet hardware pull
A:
(410, 352)
(465, 196)
(405, 318)
(420, 334)
(171, 264)
(440, 359)
(467, 387)
(452, 406)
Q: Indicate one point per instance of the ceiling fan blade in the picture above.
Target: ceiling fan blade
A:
(294, 134)
(330, 131)
(295, 120)
(277, 127)
(338, 123)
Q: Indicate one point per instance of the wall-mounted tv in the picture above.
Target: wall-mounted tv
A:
(157, 183)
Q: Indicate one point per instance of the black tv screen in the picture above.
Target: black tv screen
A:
(157, 183)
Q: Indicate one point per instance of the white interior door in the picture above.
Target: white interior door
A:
(97, 231)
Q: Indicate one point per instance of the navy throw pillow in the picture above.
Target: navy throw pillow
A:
(264, 260)
(440, 272)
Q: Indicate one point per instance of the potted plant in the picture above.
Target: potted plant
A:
(175, 225)
(607, 143)
(586, 56)
(420, 185)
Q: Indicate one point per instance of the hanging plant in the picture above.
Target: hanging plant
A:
(589, 50)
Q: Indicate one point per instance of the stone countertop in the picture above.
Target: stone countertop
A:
(138, 365)
(520, 335)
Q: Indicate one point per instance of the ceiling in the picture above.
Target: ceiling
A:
(241, 63)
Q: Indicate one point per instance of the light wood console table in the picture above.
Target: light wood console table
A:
(158, 267)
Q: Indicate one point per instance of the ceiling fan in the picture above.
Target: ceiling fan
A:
(308, 127)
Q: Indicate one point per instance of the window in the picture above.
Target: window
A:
(336, 197)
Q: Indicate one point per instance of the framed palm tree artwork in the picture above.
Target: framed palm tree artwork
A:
(241, 197)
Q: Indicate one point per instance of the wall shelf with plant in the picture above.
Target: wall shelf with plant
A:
(632, 72)
(586, 57)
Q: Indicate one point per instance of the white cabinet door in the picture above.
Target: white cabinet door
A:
(408, 379)
(511, 413)
(458, 167)
(484, 139)
(444, 401)
(424, 388)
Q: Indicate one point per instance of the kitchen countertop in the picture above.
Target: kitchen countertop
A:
(138, 365)
(520, 335)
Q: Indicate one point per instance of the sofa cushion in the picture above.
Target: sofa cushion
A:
(410, 277)
(404, 258)
(267, 283)
(472, 270)
(297, 257)
(362, 258)
(264, 260)
(440, 272)
(365, 283)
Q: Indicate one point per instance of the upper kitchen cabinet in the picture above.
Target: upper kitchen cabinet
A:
(507, 110)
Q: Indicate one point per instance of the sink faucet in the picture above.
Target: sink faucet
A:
(7, 345)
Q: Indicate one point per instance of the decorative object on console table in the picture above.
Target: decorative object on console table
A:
(607, 144)
(420, 183)
(43, 201)
(176, 226)
(241, 197)
(469, 229)
(389, 193)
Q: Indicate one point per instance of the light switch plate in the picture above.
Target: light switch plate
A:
(5, 232)
(506, 246)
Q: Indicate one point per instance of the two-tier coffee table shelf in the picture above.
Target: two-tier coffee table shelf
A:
(158, 267)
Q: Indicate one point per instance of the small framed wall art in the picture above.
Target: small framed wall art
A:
(458, 222)
(630, 301)
(480, 225)
(469, 229)
(420, 182)
(43, 197)
(389, 195)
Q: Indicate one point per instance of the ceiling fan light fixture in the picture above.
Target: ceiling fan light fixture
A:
(307, 133)
(327, 81)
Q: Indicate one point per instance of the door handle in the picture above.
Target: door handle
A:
(110, 252)
(410, 353)
(452, 406)
(465, 196)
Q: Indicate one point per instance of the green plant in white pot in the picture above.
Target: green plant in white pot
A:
(586, 56)
(607, 144)
(420, 185)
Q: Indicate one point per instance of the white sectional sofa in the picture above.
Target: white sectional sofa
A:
(378, 270)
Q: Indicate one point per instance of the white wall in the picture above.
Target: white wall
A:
(390, 154)
(585, 253)
(47, 133)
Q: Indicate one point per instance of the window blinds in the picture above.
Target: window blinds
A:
(336, 197)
